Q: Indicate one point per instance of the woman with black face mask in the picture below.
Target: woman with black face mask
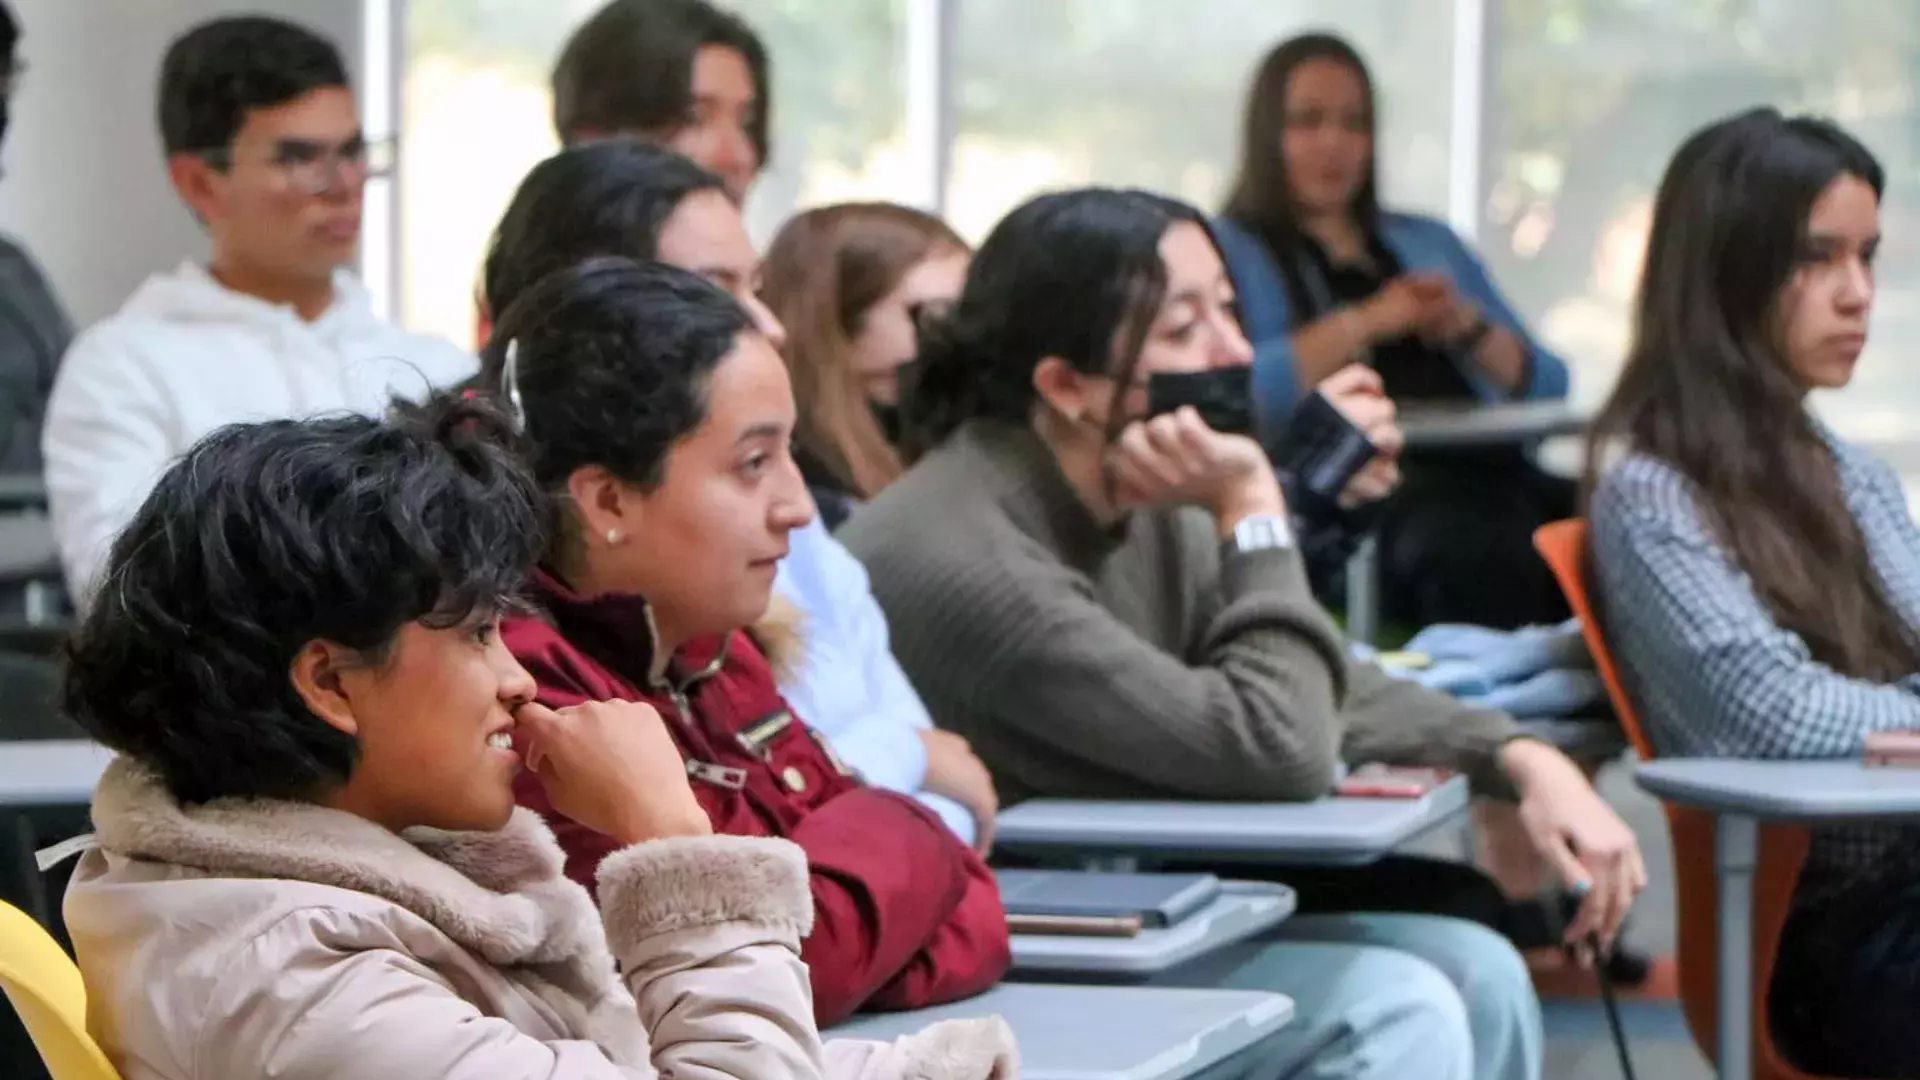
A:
(851, 282)
(1109, 603)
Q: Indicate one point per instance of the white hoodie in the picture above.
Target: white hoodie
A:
(186, 355)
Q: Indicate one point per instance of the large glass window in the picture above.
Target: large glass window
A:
(1148, 93)
(1585, 102)
(478, 115)
(1592, 98)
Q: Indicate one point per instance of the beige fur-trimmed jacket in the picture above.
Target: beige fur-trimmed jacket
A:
(262, 939)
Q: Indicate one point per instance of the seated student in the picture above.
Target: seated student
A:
(659, 422)
(851, 283)
(855, 282)
(264, 146)
(1110, 606)
(1758, 577)
(651, 420)
(682, 73)
(309, 862)
(621, 197)
(1325, 277)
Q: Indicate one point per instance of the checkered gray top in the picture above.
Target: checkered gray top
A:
(1710, 672)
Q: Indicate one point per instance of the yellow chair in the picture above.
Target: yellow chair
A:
(46, 991)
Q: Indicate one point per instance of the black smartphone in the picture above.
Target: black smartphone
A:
(1321, 449)
(1222, 396)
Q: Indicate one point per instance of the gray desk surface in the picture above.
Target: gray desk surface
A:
(23, 489)
(1784, 790)
(1330, 831)
(1742, 794)
(1106, 1032)
(1243, 909)
(54, 772)
(26, 545)
(1429, 426)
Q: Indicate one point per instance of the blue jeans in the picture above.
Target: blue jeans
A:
(1380, 996)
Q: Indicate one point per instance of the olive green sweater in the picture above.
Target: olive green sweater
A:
(1142, 662)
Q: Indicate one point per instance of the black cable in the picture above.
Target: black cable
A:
(1608, 1003)
(1611, 1006)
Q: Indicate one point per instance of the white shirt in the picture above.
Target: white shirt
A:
(850, 687)
(186, 355)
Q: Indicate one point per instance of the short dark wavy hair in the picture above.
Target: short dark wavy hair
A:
(629, 67)
(266, 537)
(219, 71)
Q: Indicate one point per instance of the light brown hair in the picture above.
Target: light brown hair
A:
(823, 274)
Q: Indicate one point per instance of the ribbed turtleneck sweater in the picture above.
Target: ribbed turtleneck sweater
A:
(1146, 660)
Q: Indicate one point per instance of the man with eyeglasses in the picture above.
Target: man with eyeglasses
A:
(264, 147)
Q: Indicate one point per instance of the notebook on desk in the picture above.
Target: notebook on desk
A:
(1149, 901)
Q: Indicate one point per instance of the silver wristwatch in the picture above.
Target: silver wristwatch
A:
(1261, 532)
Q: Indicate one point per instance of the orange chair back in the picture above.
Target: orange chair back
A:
(1783, 848)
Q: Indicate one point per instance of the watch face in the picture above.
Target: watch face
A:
(1262, 532)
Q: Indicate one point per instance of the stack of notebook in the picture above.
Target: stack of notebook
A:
(1118, 905)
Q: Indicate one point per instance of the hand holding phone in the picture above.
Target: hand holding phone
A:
(1321, 450)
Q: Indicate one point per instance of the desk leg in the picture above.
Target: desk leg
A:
(1363, 592)
(1736, 847)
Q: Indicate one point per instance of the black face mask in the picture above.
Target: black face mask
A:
(888, 417)
(906, 377)
(1222, 396)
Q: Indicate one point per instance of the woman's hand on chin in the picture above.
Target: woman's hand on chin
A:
(1177, 460)
(613, 767)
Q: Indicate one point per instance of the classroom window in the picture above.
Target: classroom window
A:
(1593, 97)
(477, 114)
(1148, 93)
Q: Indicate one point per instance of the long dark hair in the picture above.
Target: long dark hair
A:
(1262, 200)
(1707, 387)
(1073, 274)
(611, 361)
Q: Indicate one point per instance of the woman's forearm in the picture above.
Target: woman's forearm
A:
(1329, 343)
(1502, 357)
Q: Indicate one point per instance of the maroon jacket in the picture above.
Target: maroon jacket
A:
(905, 915)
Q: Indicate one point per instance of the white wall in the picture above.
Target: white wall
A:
(85, 189)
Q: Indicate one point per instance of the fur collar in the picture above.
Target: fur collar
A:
(781, 636)
(618, 631)
(501, 896)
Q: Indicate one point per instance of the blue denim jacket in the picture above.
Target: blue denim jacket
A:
(1420, 243)
(1536, 673)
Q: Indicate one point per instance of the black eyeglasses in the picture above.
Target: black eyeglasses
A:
(313, 167)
